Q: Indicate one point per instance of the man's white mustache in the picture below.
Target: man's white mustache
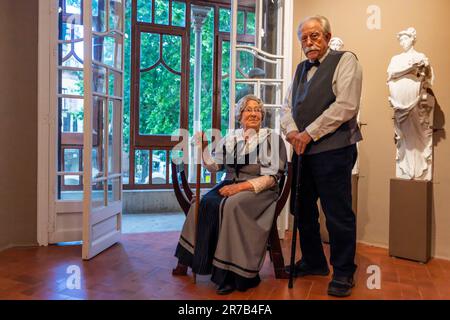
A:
(308, 49)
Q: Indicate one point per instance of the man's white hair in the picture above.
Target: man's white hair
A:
(326, 27)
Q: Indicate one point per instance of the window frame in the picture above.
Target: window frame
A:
(138, 141)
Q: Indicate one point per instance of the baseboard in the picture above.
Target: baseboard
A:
(440, 258)
(378, 245)
(2, 248)
(19, 245)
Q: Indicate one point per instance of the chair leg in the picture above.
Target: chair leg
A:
(269, 248)
(277, 254)
(180, 270)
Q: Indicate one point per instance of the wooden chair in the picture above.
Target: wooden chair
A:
(184, 194)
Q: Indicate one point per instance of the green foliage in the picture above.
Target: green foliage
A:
(160, 93)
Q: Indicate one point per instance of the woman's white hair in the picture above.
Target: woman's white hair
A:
(326, 27)
(242, 103)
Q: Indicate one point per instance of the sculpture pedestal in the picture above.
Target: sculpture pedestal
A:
(410, 219)
(322, 220)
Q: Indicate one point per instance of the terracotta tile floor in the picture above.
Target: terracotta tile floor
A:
(139, 267)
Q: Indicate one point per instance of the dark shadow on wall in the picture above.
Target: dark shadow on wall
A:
(439, 134)
(438, 121)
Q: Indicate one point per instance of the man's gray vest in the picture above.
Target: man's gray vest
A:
(311, 98)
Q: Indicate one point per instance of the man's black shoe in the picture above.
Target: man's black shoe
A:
(302, 269)
(225, 289)
(341, 286)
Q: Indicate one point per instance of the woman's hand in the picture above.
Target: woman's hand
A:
(232, 189)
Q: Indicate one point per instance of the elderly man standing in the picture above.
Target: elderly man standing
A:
(319, 121)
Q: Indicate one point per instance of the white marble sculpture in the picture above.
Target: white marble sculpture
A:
(409, 77)
(336, 44)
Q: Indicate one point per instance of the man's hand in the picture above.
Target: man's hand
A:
(230, 190)
(299, 140)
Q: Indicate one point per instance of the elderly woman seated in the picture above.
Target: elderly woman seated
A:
(236, 216)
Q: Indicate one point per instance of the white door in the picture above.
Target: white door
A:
(103, 100)
(272, 58)
(65, 118)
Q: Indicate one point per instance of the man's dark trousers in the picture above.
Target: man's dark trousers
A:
(327, 176)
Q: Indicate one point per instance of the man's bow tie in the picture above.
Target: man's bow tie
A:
(309, 65)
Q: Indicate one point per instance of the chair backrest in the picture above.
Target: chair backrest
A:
(285, 189)
(184, 196)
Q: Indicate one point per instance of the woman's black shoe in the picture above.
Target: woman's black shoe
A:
(225, 289)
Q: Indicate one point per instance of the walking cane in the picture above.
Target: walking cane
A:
(197, 193)
(294, 232)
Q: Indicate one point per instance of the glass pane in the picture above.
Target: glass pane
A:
(141, 166)
(72, 30)
(160, 92)
(207, 70)
(115, 84)
(177, 157)
(113, 190)
(178, 14)
(240, 22)
(144, 10)
(205, 177)
(79, 50)
(271, 118)
(98, 16)
(159, 167)
(251, 23)
(73, 6)
(72, 82)
(126, 166)
(96, 161)
(162, 11)
(126, 97)
(270, 14)
(115, 15)
(98, 195)
(243, 89)
(71, 160)
(71, 115)
(71, 195)
(245, 63)
(111, 140)
(72, 164)
(98, 139)
(172, 51)
(72, 48)
(72, 180)
(108, 50)
(99, 79)
(270, 93)
(114, 107)
(72, 60)
(224, 20)
(225, 87)
(149, 49)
